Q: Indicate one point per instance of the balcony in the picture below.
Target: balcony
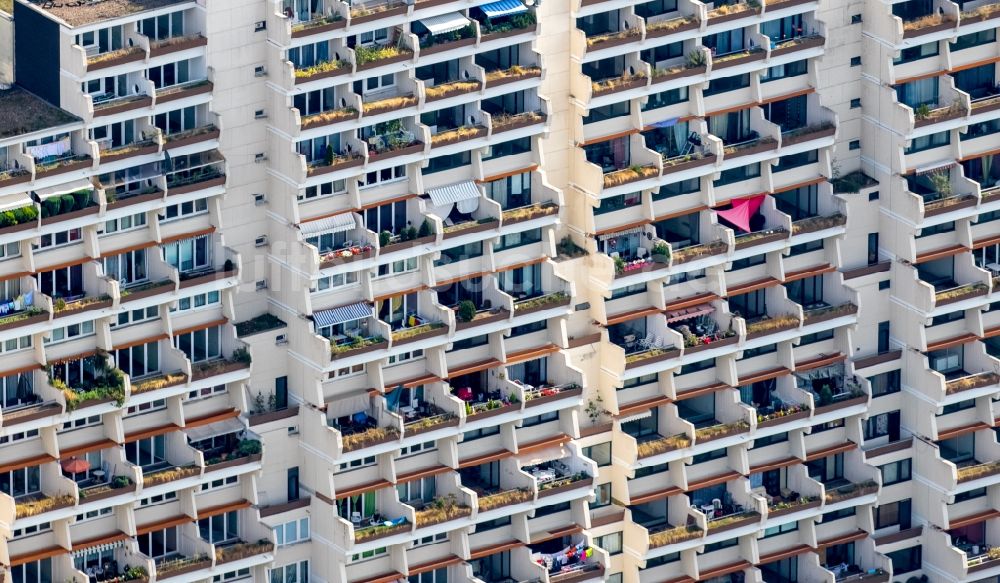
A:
(529, 212)
(925, 115)
(805, 134)
(659, 444)
(370, 11)
(379, 55)
(506, 122)
(732, 520)
(427, 417)
(323, 70)
(670, 535)
(329, 117)
(813, 224)
(183, 90)
(36, 504)
(232, 452)
(767, 325)
(175, 44)
(512, 75)
(392, 144)
(631, 174)
(749, 147)
(318, 25)
(980, 14)
(156, 476)
(352, 346)
(969, 382)
(380, 527)
(976, 470)
(442, 509)
(54, 165)
(115, 58)
(386, 104)
(623, 82)
(104, 385)
(241, 550)
(135, 149)
(180, 565)
(493, 499)
(658, 28)
(928, 24)
(106, 105)
(720, 430)
(732, 11)
(835, 493)
(959, 293)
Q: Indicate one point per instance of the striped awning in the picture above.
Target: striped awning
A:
(454, 193)
(688, 313)
(936, 167)
(224, 427)
(342, 314)
(503, 8)
(334, 224)
(637, 416)
(621, 233)
(445, 23)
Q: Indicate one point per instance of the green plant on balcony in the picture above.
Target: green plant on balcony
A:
(782, 413)
(20, 316)
(625, 175)
(512, 72)
(319, 21)
(413, 331)
(169, 475)
(259, 323)
(371, 54)
(466, 310)
(355, 343)
(430, 421)
(176, 564)
(558, 482)
(157, 382)
(18, 216)
(467, 31)
(957, 292)
(540, 301)
(941, 181)
(515, 22)
(922, 111)
(619, 264)
(442, 509)
(595, 409)
(695, 58)
(109, 384)
(369, 436)
(731, 519)
(135, 573)
(786, 504)
(57, 205)
(242, 355)
(319, 68)
(769, 325)
(568, 249)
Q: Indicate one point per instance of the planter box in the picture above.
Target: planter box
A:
(733, 16)
(383, 62)
(808, 43)
(712, 251)
(568, 393)
(968, 202)
(185, 92)
(78, 165)
(411, 431)
(107, 494)
(325, 263)
(830, 315)
(699, 439)
(546, 210)
(337, 165)
(443, 330)
(548, 306)
(687, 164)
(630, 84)
(43, 317)
(762, 145)
(784, 419)
(793, 509)
(163, 287)
(973, 293)
(146, 101)
(496, 317)
(16, 179)
(686, 72)
(987, 564)
(762, 333)
(584, 483)
(776, 236)
(928, 29)
(91, 210)
(136, 199)
(616, 41)
(385, 533)
(753, 56)
(777, 4)
(187, 141)
(130, 57)
(144, 151)
(140, 391)
(362, 350)
(271, 416)
(371, 443)
(446, 95)
(491, 413)
(31, 413)
(185, 570)
(947, 116)
(653, 266)
(197, 375)
(70, 310)
(324, 75)
(507, 33)
(217, 181)
(465, 42)
(672, 353)
(518, 124)
(813, 224)
(733, 525)
(232, 462)
(513, 79)
(635, 178)
(478, 228)
(391, 247)
(198, 41)
(319, 29)
(656, 33)
(986, 105)
(411, 149)
(316, 122)
(209, 277)
(724, 342)
(805, 137)
(93, 402)
(479, 133)
(840, 405)
(379, 15)
(247, 552)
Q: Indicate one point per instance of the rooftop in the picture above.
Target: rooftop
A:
(82, 12)
(22, 112)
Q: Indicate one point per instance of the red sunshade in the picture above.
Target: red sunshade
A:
(75, 465)
(743, 210)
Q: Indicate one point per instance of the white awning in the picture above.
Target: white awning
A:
(503, 8)
(65, 188)
(621, 233)
(334, 224)
(342, 314)
(231, 425)
(637, 416)
(445, 23)
(358, 402)
(454, 193)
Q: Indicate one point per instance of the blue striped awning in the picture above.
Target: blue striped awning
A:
(503, 8)
(342, 314)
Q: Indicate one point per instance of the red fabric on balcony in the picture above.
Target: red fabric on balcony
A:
(743, 210)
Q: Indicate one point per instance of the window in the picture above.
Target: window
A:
(70, 332)
(905, 560)
(436, 576)
(724, 84)
(929, 141)
(838, 514)
(612, 543)
(184, 209)
(200, 345)
(325, 189)
(882, 425)
(600, 453)
(895, 472)
(146, 452)
(781, 529)
(539, 419)
(518, 146)
(967, 41)
(163, 26)
(128, 267)
(35, 572)
(188, 254)
(159, 543)
(138, 361)
(169, 74)
(916, 53)
(125, 223)
(135, 316)
(335, 281)
(856, 103)
(855, 19)
(59, 239)
(220, 528)
(958, 406)
(805, 247)
(607, 112)
(10, 250)
(21, 482)
(885, 383)
(816, 337)
(602, 495)
(478, 433)
(294, 573)
(160, 499)
(738, 174)
(197, 301)
(14, 344)
(854, 145)
(884, 285)
(793, 69)
(896, 513)
(855, 61)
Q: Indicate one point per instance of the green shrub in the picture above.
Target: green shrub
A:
(51, 206)
(249, 447)
(408, 234)
(81, 199)
(425, 229)
(67, 203)
(120, 482)
(8, 219)
(25, 214)
(466, 311)
(384, 238)
(241, 355)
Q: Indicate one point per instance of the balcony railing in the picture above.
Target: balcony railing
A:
(771, 325)
(813, 224)
(620, 83)
(368, 437)
(926, 24)
(674, 535)
(491, 501)
(969, 382)
(662, 445)
(355, 345)
(630, 174)
(241, 550)
(36, 504)
(426, 418)
(734, 520)
(176, 566)
(442, 509)
(980, 14)
(721, 430)
(960, 293)
(851, 490)
(975, 472)
(381, 529)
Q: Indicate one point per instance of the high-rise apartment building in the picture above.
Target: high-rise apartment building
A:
(531, 291)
